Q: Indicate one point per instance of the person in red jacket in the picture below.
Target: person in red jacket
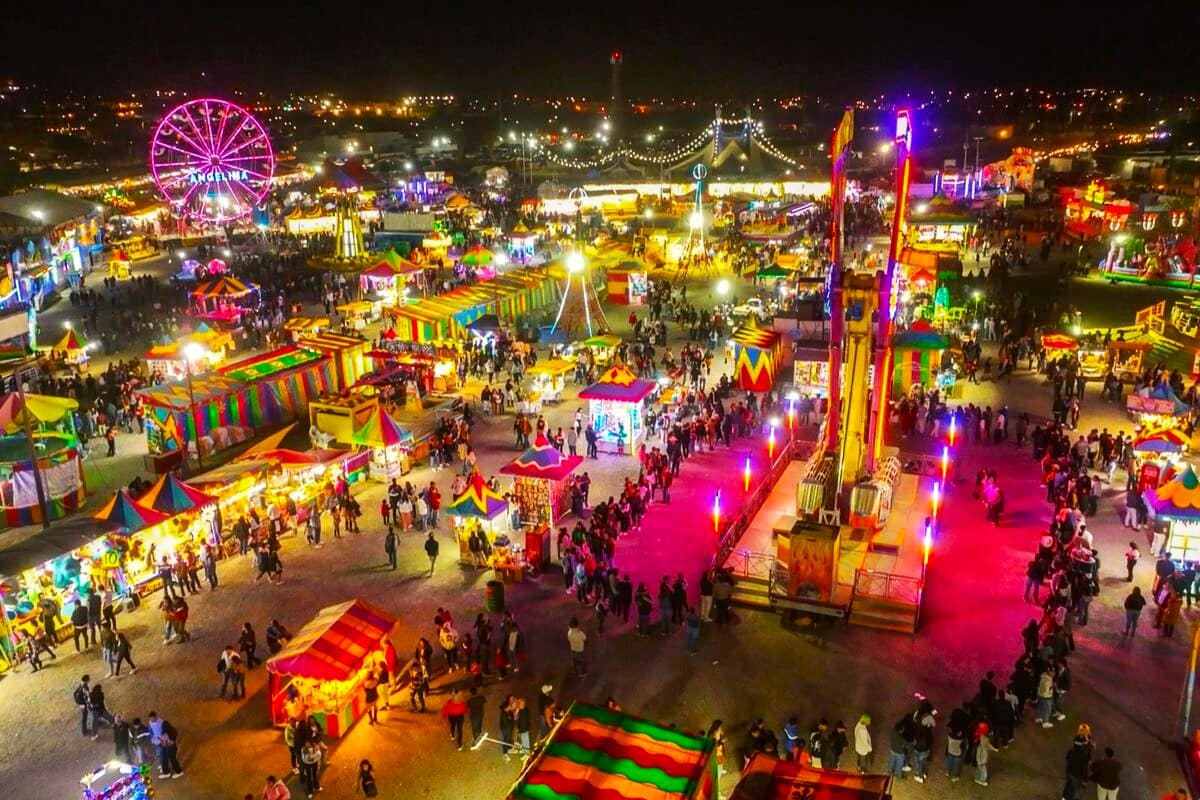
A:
(454, 712)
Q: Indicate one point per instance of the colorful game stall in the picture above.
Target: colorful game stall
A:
(540, 482)
(320, 672)
(1176, 506)
(118, 781)
(597, 753)
(390, 445)
(52, 422)
(768, 778)
(548, 379)
(170, 359)
(444, 317)
(72, 348)
(1155, 409)
(757, 356)
(918, 358)
(627, 286)
(348, 354)
(335, 417)
(616, 404)
(480, 510)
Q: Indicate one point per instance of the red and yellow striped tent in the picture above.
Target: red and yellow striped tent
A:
(758, 353)
(597, 754)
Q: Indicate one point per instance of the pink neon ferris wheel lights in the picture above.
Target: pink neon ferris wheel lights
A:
(211, 160)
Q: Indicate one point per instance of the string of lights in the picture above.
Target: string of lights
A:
(709, 131)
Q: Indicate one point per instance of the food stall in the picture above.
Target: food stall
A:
(596, 752)
(548, 379)
(616, 409)
(359, 313)
(431, 366)
(390, 445)
(757, 356)
(1176, 507)
(298, 327)
(1158, 454)
(1155, 409)
(603, 348)
(627, 286)
(480, 510)
(1059, 344)
(769, 778)
(319, 673)
(540, 482)
(335, 417)
(917, 356)
(346, 354)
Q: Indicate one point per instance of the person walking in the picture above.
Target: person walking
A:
(983, 750)
(1134, 603)
(83, 691)
(310, 765)
(1106, 772)
(371, 697)
(576, 640)
(164, 737)
(476, 706)
(1078, 767)
(1131, 559)
(79, 621)
(248, 644)
(454, 711)
(692, 628)
(389, 546)
(124, 649)
(275, 790)
(431, 550)
(955, 749)
(862, 743)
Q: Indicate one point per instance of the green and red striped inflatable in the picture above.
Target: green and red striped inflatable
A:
(597, 754)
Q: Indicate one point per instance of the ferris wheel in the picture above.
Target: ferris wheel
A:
(211, 160)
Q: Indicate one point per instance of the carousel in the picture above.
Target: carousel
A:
(224, 300)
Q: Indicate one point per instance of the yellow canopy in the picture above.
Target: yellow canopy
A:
(356, 307)
(551, 367)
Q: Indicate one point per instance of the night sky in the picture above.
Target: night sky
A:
(734, 49)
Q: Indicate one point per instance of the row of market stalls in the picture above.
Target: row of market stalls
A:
(509, 296)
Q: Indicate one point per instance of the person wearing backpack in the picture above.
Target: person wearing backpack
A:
(366, 779)
(81, 696)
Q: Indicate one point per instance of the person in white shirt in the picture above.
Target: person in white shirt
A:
(576, 639)
(862, 743)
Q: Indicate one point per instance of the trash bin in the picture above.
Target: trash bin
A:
(495, 597)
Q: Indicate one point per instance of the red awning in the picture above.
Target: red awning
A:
(335, 644)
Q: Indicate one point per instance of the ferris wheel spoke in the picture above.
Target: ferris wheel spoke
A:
(206, 145)
(208, 128)
(224, 145)
(219, 141)
(197, 151)
(190, 155)
(259, 136)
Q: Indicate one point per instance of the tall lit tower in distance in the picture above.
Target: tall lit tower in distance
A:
(614, 114)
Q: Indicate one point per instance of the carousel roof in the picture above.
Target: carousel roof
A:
(125, 515)
(773, 271)
(542, 461)
(172, 496)
(382, 430)
(618, 383)
(1178, 498)
(71, 341)
(224, 286)
(476, 256)
(478, 500)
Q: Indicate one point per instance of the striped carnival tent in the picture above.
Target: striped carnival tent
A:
(477, 501)
(123, 514)
(334, 643)
(172, 496)
(597, 754)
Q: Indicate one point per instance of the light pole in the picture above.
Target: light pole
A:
(192, 351)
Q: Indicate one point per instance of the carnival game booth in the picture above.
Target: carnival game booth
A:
(548, 379)
(431, 366)
(540, 482)
(444, 317)
(917, 354)
(347, 355)
(390, 445)
(768, 778)
(1176, 507)
(170, 359)
(480, 510)
(627, 285)
(757, 356)
(320, 672)
(52, 421)
(299, 327)
(1156, 409)
(224, 300)
(617, 409)
(597, 753)
(335, 417)
(1159, 455)
(1058, 345)
(603, 348)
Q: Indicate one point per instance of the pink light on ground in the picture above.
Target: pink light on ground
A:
(771, 443)
(746, 476)
(953, 429)
(716, 511)
(945, 462)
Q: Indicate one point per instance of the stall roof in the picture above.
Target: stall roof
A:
(42, 207)
(542, 461)
(551, 366)
(1179, 498)
(174, 394)
(224, 286)
(597, 753)
(477, 500)
(333, 645)
(921, 336)
(172, 496)
(228, 473)
(618, 383)
(751, 334)
(382, 430)
(767, 778)
(62, 537)
(40, 408)
(125, 515)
